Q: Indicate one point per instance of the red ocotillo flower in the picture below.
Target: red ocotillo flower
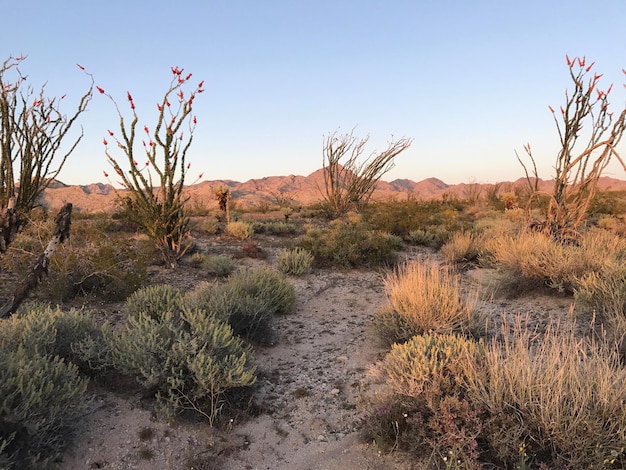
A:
(106, 175)
(100, 89)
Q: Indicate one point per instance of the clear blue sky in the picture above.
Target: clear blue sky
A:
(470, 81)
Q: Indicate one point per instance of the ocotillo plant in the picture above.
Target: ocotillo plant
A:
(32, 129)
(154, 176)
(585, 116)
(348, 181)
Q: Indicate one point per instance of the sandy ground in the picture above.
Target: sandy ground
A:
(311, 386)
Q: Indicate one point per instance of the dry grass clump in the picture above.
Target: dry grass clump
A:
(529, 400)
(240, 229)
(422, 298)
(557, 397)
(533, 259)
(463, 248)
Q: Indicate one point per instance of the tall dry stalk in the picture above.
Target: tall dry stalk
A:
(585, 117)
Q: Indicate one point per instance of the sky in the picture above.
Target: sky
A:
(469, 81)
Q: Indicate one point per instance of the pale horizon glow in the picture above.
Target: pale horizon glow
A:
(470, 82)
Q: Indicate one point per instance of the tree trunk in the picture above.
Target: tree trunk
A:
(61, 233)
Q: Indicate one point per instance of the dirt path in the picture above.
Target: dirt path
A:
(310, 384)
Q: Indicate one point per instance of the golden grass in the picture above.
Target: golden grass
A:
(422, 298)
(553, 393)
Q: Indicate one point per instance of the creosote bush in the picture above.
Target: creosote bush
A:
(295, 261)
(423, 298)
(349, 245)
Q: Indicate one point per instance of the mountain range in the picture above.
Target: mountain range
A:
(272, 191)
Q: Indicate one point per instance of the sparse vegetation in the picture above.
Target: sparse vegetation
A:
(424, 298)
(348, 245)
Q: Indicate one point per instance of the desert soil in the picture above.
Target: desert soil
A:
(311, 388)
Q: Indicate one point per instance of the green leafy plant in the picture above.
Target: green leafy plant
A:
(158, 206)
(43, 392)
(187, 358)
(247, 301)
(426, 407)
(295, 261)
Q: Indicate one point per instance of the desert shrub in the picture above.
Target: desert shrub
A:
(219, 265)
(463, 248)
(279, 228)
(426, 408)
(247, 301)
(296, 261)
(206, 225)
(154, 301)
(240, 229)
(39, 328)
(41, 388)
(42, 397)
(411, 215)
(348, 245)
(557, 396)
(534, 259)
(422, 298)
(424, 237)
(187, 358)
(251, 250)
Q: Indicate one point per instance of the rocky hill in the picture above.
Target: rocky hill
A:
(294, 189)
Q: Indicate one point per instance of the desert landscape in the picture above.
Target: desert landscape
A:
(323, 372)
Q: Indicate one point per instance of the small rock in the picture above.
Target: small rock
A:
(335, 391)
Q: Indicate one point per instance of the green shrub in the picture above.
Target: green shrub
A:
(296, 261)
(155, 301)
(219, 265)
(422, 298)
(247, 301)
(349, 245)
(278, 228)
(42, 391)
(240, 229)
(187, 358)
(430, 238)
(110, 266)
(42, 397)
(403, 217)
